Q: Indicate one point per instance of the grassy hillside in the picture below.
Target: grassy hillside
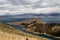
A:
(9, 29)
(12, 33)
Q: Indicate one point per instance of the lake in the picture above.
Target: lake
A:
(44, 19)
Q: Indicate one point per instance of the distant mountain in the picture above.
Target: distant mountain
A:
(54, 14)
(30, 15)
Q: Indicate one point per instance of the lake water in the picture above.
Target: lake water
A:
(44, 19)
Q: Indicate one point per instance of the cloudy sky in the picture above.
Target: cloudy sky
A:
(29, 6)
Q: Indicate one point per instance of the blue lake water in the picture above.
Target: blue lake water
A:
(45, 19)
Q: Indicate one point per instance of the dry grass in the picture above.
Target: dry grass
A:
(9, 33)
(9, 36)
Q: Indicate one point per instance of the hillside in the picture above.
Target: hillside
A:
(30, 25)
(37, 26)
(53, 29)
(9, 33)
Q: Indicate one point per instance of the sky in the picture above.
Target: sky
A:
(29, 6)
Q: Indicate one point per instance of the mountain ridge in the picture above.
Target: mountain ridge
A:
(32, 14)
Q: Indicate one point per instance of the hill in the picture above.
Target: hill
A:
(30, 25)
(37, 26)
(9, 33)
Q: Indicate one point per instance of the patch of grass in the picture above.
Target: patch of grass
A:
(9, 29)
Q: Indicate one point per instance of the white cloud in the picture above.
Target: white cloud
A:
(30, 1)
(45, 6)
(27, 9)
(3, 0)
